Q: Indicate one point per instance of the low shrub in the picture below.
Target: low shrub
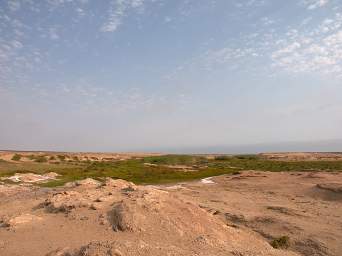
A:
(40, 159)
(221, 158)
(282, 242)
(16, 157)
(61, 157)
(247, 157)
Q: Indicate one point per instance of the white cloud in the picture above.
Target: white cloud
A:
(314, 4)
(53, 34)
(80, 11)
(249, 3)
(267, 21)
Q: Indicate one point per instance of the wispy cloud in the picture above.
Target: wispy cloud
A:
(14, 5)
(319, 49)
(117, 11)
(314, 4)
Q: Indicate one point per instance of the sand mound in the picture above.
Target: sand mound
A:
(327, 191)
(119, 184)
(159, 214)
(155, 223)
(333, 187)
(146, 209)
(88, 193)
(9, 190)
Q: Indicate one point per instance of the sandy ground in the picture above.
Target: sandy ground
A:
(226, 215)
(307, 207)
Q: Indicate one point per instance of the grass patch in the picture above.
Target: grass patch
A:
(175, 160)
(282, 242)
(251, 163)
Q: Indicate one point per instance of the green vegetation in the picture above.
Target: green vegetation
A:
(247, 157)
(253, 162)
(282, 242)
(175, 160)
(16, 157)
(40, 159)
(159, 169)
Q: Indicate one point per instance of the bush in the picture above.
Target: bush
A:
(31, 157)
(282, 242)
(52, 158)
(221, 158)
(247, 157)
(40, 159)
(16, 157)
(61, 157)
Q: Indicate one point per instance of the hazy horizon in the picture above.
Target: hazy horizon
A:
(299, 146)
(183, 75)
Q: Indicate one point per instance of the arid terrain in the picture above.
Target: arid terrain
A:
(66, 156)
(240, 213)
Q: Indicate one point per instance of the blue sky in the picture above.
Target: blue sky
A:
(123, 75)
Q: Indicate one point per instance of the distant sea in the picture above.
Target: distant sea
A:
(303, 146)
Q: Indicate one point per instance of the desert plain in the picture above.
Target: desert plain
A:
(104, 204)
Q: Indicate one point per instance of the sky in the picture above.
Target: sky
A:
(135, 75)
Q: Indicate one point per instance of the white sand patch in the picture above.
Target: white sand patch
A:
(207, 180)
(31, 177)
(24, 219)
(175, 187)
